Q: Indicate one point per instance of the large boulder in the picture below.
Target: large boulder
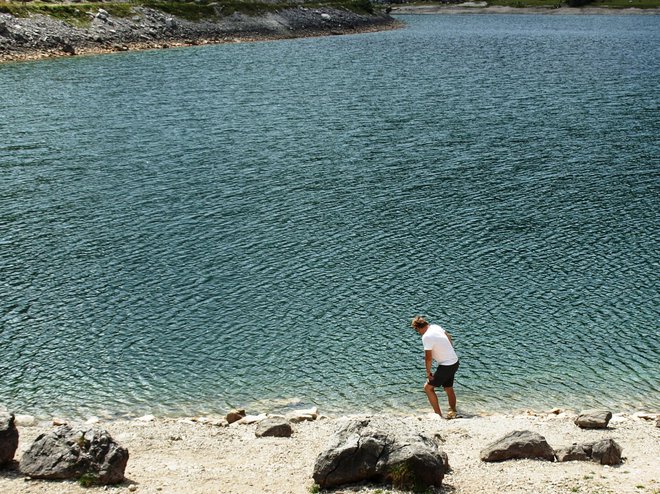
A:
(593, 419)
(575, 452)
(414, 462)
(605, 452)
(275, 427)
(518, 445)
(361, 452)
(8, 438)
(67, 453)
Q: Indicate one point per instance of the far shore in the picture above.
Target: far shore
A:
(481, 8)
(32, 55)
(39, 37)
(202, 455)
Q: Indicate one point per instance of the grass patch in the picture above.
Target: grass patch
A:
(403, 478)
(69, 13)
(185, 10)
(77, 14)
(88, 480)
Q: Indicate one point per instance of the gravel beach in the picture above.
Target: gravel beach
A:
(204, 455)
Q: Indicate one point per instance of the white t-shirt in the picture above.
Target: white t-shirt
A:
(435, 339)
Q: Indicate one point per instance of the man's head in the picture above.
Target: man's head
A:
(419, 324)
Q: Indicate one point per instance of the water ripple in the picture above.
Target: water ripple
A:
(234, 231)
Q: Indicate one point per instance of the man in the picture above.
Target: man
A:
(438, 346)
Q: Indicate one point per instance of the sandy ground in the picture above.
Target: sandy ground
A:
(202, 456)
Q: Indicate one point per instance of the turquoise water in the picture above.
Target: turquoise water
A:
(254, 225)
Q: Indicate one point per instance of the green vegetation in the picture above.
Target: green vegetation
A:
(73, 14)
(403, 478)
(78, 14)
(315, 489)
(88, 480)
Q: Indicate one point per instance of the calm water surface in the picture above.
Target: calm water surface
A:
(255, 224)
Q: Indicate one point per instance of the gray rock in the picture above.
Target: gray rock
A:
(362, 453)
(25, 420)
(67, 453)
(4, 30)
(297, 416)
(275, 427)
(518, 445)
(593, 419)
(8, 438)
(413, 461)
(67, 48)
(606, 452)
(575, 452)
(235, 416)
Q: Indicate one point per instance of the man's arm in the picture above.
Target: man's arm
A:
(428, 360)
(449, 338)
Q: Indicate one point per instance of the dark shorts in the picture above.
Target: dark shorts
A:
(444, 376)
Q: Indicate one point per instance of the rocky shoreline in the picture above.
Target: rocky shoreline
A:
(39, 36)
(560, 451)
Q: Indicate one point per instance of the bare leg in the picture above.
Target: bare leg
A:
(451, 397)
(433, 398)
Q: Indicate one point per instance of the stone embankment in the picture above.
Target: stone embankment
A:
(42, 36)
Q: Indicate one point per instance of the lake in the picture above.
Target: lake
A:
(254, 225)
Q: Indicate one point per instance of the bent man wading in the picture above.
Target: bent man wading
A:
(438, 347)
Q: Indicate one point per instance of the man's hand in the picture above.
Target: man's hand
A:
(428, 361)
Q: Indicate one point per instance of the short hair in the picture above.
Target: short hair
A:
(419, 322)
